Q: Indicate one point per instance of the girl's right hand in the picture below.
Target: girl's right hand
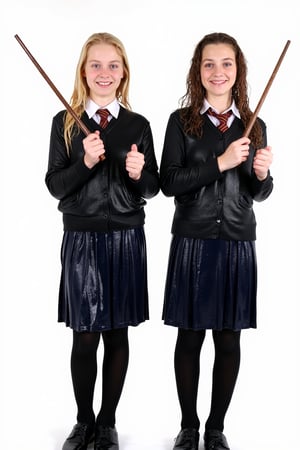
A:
(93, 148)
(235, 154)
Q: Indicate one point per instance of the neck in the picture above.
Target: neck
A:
(220, 104)
(103, 101)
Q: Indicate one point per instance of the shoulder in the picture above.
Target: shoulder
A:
(262, 124)
(176, 117)
(128, 115)
(60, 117)
(58, 121)
(180, 114)
(177, 113)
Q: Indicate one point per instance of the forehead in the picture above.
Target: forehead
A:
(218, 52)
(103, 52)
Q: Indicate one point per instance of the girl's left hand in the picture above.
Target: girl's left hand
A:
(262, 161)
(134, 163)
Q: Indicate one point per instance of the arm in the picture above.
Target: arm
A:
(262, 182)
(65, 175)
(176, 177)
(142, 167)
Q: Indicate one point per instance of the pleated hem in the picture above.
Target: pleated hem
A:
(85, 329)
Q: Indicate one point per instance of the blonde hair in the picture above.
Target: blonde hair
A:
(81, 90)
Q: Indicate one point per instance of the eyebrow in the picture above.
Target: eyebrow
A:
(223, 59)
(113, 61)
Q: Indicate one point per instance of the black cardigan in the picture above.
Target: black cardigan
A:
(103, 198)
(210, 204)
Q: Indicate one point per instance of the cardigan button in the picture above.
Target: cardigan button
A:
(218, 221)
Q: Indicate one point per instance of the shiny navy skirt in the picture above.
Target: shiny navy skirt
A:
(104, 280)
(211, 284)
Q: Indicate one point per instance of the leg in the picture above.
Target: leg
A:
(84, 373)
(187, 371)
(115, 363)
(225, 372)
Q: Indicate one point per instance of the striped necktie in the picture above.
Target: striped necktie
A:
(103, 113)
(223, 118)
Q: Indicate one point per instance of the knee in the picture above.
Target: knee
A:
(190, 341)
(115, 339)
(227, 341)
(85, 345)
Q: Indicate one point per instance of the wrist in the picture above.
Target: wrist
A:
(220, 164)
(135, 177)
(89, 164)
(261, 177)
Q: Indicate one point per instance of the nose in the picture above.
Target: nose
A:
(218, 70)
(104, 72)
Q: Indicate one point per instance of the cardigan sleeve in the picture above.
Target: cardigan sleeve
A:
(262, 189)
(64, 176)
(148, 184)
(178, 178)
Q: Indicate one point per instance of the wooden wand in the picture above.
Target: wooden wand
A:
(54, 88)
(264, 94)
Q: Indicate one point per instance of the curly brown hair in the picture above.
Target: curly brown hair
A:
(193, 99)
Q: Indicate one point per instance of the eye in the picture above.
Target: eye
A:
(228, 64)
(114, 66)
(208, 65)
(95, 66)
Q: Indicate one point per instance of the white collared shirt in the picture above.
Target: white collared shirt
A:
(214, 119)
(91, 109)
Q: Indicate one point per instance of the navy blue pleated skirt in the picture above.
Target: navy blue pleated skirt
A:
(104, 280)
(211, 284)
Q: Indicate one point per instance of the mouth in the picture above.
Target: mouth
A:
(218, 82)
(104, 83)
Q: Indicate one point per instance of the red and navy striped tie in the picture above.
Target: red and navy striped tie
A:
(223, 118)
(103, 113)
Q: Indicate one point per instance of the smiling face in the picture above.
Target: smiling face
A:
(103, 71)
(218, 72)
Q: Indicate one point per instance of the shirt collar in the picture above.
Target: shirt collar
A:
(233, 108)
(91, 108)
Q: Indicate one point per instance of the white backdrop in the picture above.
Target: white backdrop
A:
(36, 404)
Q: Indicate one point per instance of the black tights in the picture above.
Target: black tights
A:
(84, 373)
(187, 371)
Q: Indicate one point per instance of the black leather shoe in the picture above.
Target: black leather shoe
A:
(215, 440)
(106, 438)
(80, 437)
(187, 439)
